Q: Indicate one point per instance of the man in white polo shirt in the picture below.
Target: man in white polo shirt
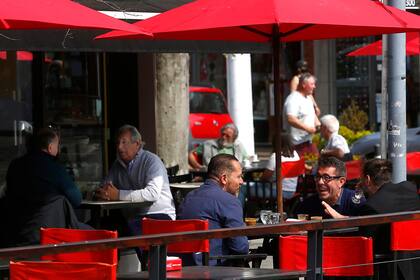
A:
(300, 112)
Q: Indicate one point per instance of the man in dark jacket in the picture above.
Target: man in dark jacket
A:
(216, 201)
(384, 197)
(34, 183)
(330, 180)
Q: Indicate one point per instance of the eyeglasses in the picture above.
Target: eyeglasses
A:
(326, 178)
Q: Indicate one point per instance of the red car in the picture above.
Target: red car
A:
(208, 113)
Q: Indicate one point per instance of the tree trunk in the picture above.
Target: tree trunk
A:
(172, 109)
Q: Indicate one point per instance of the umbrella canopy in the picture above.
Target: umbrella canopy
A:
(274, 21)
(253, 20)
(412, 46)
(58, 14)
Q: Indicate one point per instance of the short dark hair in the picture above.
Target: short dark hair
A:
(45, 137)
(340, 167)
(379, 171)
(219, 164)
(301, 66)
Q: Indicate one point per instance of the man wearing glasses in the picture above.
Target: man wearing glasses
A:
(330, 179)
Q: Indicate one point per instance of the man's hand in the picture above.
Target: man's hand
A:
(295, 122)
(330, 211)
(107, 192)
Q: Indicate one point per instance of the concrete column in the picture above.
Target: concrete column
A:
(239, 89)
(172, 109)
(324, 70)
(397, 126)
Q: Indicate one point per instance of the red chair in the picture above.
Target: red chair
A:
(413, 163)
(338, 254)
(151, 226)
(354, 169)
(60, 235)
(292, 169)
(404, 237)
(60, 270)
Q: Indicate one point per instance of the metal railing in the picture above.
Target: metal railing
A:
(159, 242)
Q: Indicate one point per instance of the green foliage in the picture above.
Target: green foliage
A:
(319, 141)
(350, 135)
(354, 118)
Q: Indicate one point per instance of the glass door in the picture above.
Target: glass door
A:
(16, 112)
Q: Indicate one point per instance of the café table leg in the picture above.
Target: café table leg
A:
(315, 255)
(157, 259)
(96, 214)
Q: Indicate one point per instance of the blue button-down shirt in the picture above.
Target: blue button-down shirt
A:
(222, 210)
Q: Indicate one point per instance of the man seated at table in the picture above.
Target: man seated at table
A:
(39, 193)
(137, 175)
(226, 144)
(216, 201)
(383, 197)
(330, 180)
(337, 145)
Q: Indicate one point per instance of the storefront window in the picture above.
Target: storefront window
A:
(352, 75)
(73, 102)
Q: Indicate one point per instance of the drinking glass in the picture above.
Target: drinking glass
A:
(265, 216)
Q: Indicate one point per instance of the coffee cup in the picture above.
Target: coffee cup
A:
(302, 217)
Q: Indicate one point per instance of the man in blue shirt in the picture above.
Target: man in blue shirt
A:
(216, 201)
(330, 179)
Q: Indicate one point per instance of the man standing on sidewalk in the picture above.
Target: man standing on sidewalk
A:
(300, 112)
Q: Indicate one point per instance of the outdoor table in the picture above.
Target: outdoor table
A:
(219, 272)
(99, 208)
(180, 190)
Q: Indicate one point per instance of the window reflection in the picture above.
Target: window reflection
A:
(73, 102)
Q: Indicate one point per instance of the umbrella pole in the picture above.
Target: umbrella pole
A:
(278, 108)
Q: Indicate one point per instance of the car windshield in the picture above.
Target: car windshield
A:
(207, 103)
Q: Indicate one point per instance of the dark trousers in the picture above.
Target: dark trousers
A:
(306, 148)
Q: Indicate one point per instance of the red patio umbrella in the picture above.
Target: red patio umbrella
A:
(58, 14)
(375, 48)
(274, 21)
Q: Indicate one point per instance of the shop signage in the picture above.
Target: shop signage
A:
(409, 4)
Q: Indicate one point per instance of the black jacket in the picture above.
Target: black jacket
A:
(392, 198)
(21, 223)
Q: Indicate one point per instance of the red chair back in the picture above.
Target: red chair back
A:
(354, 169)
(413, 163)
(338, 252)
(292, 169)
(60, 235)
(151, 226)
(405, 236)
(60, 270)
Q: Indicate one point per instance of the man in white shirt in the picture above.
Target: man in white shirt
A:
(300, 111)
(337, 145)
